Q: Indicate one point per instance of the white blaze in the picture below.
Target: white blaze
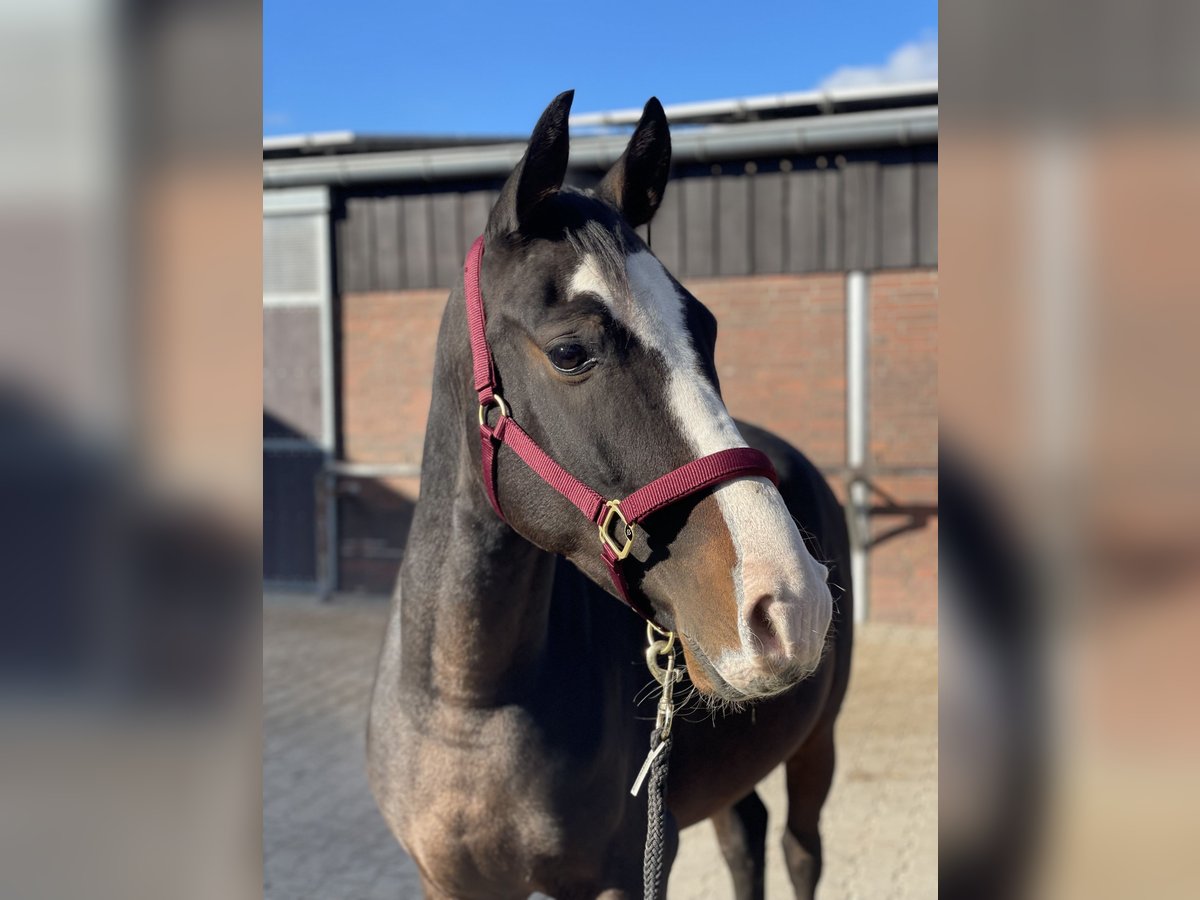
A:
(771, 555)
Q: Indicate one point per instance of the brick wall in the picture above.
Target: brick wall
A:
(904, 431)
(387, 343)
(780, 357)
(386, 348)
(904, 562)
(903, 386)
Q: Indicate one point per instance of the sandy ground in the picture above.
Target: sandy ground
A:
(323, 838)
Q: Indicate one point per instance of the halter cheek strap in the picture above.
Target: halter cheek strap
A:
(616, 520)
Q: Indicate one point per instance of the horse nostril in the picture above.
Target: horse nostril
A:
(766, 637)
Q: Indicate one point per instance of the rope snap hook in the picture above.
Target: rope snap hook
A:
(661, 643)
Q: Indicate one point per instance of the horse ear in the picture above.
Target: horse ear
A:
(636, 182)
(540, 172)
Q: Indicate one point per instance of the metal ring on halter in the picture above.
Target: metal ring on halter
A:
(651, 628)
(613, 510)
(659, 648)
(496, 400)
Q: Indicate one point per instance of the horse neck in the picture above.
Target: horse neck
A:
(474, 594)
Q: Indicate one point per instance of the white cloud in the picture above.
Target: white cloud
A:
(914, 61)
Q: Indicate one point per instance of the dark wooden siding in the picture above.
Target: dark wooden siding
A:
(804, 219)
(290, 481)
(834, 212)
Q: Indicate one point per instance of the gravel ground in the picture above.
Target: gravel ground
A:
(323, 838)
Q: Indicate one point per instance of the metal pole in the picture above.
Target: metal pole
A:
(329, 400)
(857, 438)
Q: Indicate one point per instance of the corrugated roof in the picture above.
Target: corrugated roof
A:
(795, 105)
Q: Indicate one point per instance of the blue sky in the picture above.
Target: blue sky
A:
(484, 68)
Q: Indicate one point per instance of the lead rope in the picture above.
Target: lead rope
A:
(658, 758)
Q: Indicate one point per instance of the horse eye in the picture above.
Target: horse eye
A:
(570, 359)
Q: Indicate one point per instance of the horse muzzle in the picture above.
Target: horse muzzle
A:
(782, 630)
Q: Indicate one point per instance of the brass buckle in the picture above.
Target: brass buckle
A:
(614, 509)
(484, 407)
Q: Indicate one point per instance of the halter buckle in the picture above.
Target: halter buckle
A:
(496, 400)
(614, 511)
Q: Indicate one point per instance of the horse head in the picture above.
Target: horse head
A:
(607, 362)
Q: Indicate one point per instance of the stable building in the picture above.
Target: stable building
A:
(806, 222)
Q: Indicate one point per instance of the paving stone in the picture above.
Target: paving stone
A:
(324, 839)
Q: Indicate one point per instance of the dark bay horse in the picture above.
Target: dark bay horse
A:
(504, 729)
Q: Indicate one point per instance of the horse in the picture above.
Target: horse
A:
(503, 732)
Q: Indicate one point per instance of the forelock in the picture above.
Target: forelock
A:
(604, 248)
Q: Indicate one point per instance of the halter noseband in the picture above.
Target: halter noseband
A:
(615, 519)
